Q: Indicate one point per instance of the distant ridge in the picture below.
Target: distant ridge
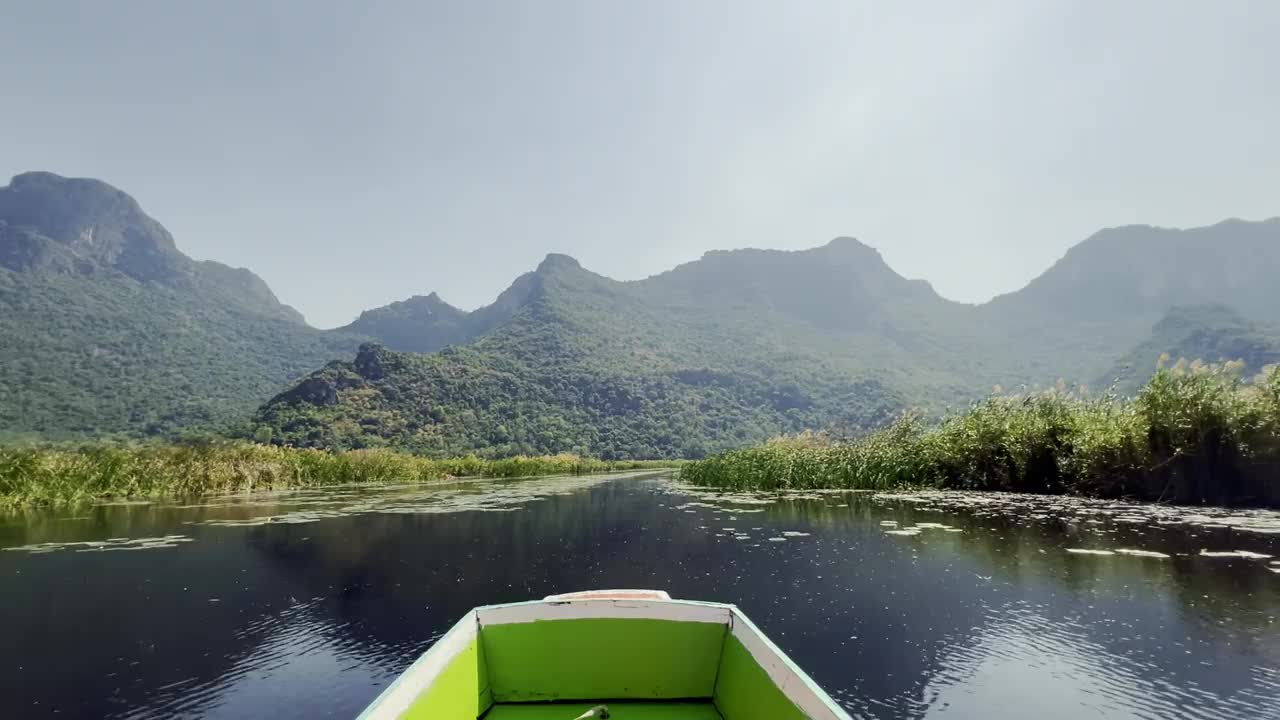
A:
(113, 331)
(1212, 333)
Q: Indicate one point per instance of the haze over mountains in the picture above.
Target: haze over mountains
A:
(110, 329)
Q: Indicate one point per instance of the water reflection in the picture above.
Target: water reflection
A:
(981, 613)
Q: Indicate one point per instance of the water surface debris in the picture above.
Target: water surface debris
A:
(111, 545)
(1142, 553)
(1233, 553)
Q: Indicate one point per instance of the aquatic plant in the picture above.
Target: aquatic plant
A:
(46, 476)
(1195, 433)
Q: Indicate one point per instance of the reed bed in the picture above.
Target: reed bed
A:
(1196, 433)
(53, 476)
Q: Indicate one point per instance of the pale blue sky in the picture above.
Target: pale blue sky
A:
(356, 153)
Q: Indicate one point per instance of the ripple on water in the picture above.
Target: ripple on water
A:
(950, 645)
(1024, 652)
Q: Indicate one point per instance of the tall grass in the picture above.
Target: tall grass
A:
(1195, 433)
(42, 476)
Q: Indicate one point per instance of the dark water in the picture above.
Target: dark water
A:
(314, 612)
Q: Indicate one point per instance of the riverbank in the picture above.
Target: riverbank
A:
(1195, 434)
(43, 476)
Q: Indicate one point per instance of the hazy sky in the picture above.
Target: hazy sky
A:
(355, 153)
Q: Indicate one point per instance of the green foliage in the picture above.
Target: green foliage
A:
(419, 324)
(713, 355)
(1195, 433)
(1214, 333)
(583, 366)
(110, 357)
(111, 332)
(49, 476)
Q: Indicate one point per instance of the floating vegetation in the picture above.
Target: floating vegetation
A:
(1142, 553)
(1085, 511)
(111, 545)
(1247, 555)
(491, 496)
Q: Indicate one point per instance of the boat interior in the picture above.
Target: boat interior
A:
(644, 659)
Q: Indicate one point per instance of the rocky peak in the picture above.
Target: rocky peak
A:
(85, 226)
(373, 361)
(846, 244)
(557, 261)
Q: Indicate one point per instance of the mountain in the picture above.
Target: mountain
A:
(419, 324)
(427, 323)
(740, 345)
(110, 329)
(587, 364)
(1143, 269)
(1103, 297)
(1213, 333)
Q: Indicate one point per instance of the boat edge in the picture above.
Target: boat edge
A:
(423, 671)
(794, 683)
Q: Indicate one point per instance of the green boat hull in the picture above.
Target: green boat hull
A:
(646, 658)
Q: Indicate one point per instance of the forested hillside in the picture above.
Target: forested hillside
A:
(112, 331)
(730, 349)
(1211, 333)
(584, 366)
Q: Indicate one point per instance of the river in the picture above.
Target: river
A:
(307, 604)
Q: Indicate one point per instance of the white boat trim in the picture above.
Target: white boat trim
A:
(396, 700)
(540, 610)
(785, 674)
(616, 594)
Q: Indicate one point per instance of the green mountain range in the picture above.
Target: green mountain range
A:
(110, 330)
(113, 331)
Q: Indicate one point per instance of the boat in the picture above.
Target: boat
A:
(604, 654)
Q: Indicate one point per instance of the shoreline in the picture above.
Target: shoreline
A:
(1194, 435)
(36, 477)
